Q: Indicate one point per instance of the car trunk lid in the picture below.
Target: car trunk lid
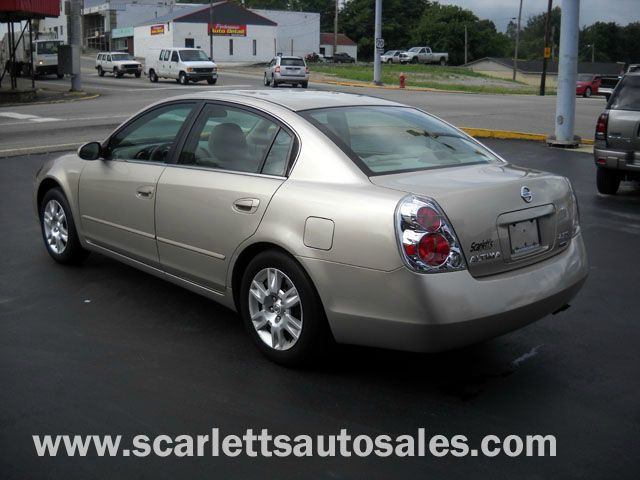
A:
(498, 229)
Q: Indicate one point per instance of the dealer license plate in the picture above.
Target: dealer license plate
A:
(524, 236)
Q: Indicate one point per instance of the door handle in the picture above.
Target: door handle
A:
(145, 191)
(246, 205)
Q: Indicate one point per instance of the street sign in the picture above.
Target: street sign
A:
(380, 43)
(547, 52)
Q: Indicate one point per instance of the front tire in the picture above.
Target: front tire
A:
(138, 74)
(58, 229)
(443, 62)
(182, 79)
(607, 181)
(212, 81)
(587, 92)
(282, 310)
(305, 84)
(414, 60)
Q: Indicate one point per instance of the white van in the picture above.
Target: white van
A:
(183, 65)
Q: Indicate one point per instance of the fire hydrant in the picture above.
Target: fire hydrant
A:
(402, 80)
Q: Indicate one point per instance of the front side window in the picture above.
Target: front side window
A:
(151, 136)
(108, 58)
(174, 56)
(627, 95)
(383, 140)
(229, 138)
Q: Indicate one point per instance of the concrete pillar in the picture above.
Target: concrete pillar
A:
(567, 71)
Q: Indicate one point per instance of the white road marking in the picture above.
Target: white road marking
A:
(27, 117)
(526, 356)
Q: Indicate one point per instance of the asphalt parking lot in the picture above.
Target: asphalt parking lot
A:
(106, 349)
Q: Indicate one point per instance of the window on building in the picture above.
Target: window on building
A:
(61, 30)
(322, 50)
(231, 46)
(189, 42)
(255, 47)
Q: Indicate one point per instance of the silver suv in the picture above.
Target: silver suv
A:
(291, 70)
(617, 142)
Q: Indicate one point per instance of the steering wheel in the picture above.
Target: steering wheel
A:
(160, 152)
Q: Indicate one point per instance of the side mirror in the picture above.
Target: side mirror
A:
(90, 151)
(210, 59)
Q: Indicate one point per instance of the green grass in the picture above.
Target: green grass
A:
(429, 76)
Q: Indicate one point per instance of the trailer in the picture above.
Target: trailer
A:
(45, 55)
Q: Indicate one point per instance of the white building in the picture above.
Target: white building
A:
(298, 32)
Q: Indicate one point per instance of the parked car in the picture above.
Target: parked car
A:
(290, 70)
(341, 57)
(321, 216)
(183, 65)
(391, 56)
(424, 55)
(607, 85)
(118, 64)
(587, 84)
(617, 141)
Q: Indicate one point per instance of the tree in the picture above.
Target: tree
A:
(442, 28)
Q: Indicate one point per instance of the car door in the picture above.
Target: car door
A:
(213, 199)
(117, 193)
(174, 65)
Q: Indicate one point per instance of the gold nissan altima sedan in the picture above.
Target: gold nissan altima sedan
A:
(322, 216)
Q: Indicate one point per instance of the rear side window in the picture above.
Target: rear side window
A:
(627, 95)
(292, 62)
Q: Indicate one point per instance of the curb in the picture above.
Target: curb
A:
(62, 147)
(50, 102)
(512, 135)
(393, 87)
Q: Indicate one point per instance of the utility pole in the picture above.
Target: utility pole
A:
(593, 52)
(547, 50)
(515, 57)
(379, 45)
(553, 43)
(211, 29)
(567, 71)
(335, 29)
(75, 40)
(466, 49)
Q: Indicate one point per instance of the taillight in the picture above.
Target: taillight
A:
(306, 69)
(427, 241)
(575, 211)
(601, 126)
(277, 68)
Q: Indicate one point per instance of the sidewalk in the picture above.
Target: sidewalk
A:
(45, 92)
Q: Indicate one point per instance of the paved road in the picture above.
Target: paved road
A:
(144, 356)
(70, 123)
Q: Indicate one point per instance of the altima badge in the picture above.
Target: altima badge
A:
(526, 194)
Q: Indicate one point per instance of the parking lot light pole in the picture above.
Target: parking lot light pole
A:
(75, 40)
(211, 30)
(567, 71)
(377, 67)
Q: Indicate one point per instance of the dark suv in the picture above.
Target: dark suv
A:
(617, 142)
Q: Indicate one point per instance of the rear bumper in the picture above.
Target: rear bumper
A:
(404, 310)
(291, 78)
(617, 159)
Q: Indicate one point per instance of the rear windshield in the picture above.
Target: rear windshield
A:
(627, 95)
(383, 140)
(292, 62)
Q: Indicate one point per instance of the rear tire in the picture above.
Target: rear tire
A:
(266, 80)
(56, 221)
(607, 181)
(443, 62)
(100, 72)
(272, 313)
(274, 84)
(153, 78)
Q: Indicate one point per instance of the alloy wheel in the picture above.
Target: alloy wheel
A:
(55, 227)
(275, 309)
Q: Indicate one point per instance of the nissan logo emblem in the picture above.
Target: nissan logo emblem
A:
(526, 194)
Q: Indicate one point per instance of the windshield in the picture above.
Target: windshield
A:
(583, 77)
(383, 140)
(627, 95)
(119, 57)
(415, 49)
(48, 48)
(292, 62)
(391, 53)
(193, 56)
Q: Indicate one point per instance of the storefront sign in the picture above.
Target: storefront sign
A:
(157, 29)
(227, 30)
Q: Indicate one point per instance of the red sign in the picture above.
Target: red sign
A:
(157, 29)
(227, 30)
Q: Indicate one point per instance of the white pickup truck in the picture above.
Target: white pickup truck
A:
(423, 55)
(182, 64)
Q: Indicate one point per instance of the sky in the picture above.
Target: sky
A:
(501, 11)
